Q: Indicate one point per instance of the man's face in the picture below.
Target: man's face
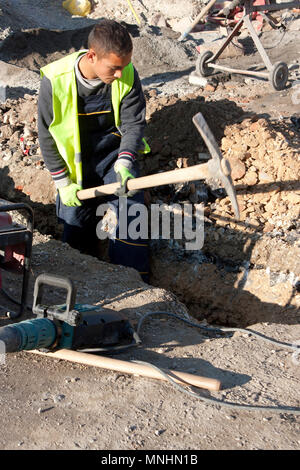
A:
(109, 67)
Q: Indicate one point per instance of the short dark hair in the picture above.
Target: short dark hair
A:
(109, 36)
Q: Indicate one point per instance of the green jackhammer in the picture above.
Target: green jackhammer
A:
(70, 326)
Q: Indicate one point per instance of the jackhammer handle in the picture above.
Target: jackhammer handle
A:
(182, 175)
(54, 281)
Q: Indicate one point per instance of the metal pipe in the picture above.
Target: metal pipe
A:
(227, 41)
(244, 72)
(257, 42)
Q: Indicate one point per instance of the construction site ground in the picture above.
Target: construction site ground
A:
(246, 275)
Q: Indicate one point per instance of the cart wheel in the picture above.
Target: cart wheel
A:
(279, 75)
(201, 67)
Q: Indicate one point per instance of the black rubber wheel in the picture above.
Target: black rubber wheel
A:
(279, 75)
(201, 67)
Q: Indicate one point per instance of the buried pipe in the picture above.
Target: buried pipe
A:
(127, 367)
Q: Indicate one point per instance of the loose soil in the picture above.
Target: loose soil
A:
(246, 274)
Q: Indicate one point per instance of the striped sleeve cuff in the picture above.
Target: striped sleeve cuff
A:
(61, 177)
(127, 156)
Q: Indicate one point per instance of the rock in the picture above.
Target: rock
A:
(158, 20)
(268, 227)
(250, 178)
(28, 132)
(254, 126)
(264, 177)
(209, 88)
(226, 143)
(238, 169)
(293, 198)
(7, 154)
(6, 132)
(14, 139)
(239, 148)
(195, 79)
(254, 222)
(58, 398)
(152, 93)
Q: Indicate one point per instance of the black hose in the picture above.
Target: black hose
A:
(220, 329)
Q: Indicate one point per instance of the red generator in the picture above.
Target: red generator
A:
(16, 247)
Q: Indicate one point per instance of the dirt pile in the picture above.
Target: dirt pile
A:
(22, 172)
(154, 50)
(253, 264)
(263, 155)
(265, 160)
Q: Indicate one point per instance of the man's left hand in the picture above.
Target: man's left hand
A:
(123, 168)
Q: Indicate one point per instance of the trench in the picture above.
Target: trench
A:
(234, 279)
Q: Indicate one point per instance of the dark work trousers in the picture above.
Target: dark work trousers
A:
(100, 151)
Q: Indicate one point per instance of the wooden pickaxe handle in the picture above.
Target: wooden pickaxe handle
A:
(217, 168)
(182, 175)
(127, 367)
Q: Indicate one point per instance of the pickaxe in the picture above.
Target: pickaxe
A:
(217, 168)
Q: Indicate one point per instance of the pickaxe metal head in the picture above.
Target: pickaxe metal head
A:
(218, 167)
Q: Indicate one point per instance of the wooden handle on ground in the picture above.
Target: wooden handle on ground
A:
(182, 378)
(182, 175)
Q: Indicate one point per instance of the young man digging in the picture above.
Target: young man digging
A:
(91, 120)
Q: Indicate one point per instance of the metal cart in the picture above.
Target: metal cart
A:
(276, 73)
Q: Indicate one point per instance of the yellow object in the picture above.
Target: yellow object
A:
(133, 11)
(77, 7)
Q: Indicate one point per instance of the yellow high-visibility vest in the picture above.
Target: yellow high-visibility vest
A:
(64, 127)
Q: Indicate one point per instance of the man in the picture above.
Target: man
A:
(91, 120)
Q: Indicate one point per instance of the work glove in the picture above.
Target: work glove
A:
(68, 195)
(123, 168)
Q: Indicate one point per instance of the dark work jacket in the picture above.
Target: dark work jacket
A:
(97, 131)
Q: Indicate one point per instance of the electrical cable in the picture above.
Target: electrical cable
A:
(210, 401)
(213, 401)
(219, 329)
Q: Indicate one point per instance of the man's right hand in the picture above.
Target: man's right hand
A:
(68, 195)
